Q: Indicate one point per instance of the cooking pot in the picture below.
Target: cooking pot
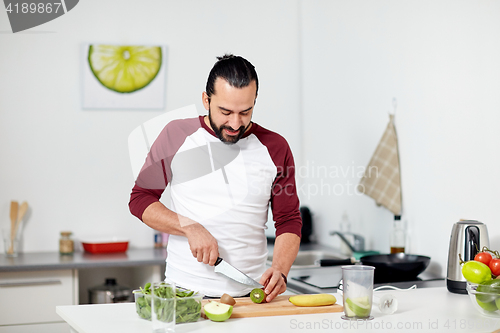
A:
(110, 292)
(388, 267)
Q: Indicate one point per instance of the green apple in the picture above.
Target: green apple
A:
(488, 306)
(497, 302)
(217, 311)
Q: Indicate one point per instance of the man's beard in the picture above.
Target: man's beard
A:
(218, 131)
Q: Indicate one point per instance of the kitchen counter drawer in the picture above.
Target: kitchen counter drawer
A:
(38, 328)
(32, 297)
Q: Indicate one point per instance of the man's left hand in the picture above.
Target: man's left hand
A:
(273, 282)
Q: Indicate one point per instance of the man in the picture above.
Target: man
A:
(224, 171)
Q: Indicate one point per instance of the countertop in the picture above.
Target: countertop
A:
(419, 310)
(53, 260)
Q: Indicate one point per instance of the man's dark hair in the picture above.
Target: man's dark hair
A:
(237, 71)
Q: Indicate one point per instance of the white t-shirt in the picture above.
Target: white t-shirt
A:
(227, 189)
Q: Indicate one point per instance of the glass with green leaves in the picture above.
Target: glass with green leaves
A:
(187, 304)
(163, 306)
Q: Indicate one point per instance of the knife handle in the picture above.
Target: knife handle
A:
(219, 259)
(335, 262)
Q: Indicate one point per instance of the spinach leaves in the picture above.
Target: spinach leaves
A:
(187, 307)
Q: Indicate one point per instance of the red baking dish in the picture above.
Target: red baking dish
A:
(105, 245)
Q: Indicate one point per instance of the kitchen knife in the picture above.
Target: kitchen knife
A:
(224, 268)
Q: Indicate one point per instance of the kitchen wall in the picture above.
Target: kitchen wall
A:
(439, 60)
(329, 72)
(72, 165)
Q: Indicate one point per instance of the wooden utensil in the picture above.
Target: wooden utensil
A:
(280, 306)
(14, 208)
(20, 215)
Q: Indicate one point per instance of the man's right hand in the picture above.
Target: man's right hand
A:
(203, 245)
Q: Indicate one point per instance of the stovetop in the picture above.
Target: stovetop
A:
(327, 279)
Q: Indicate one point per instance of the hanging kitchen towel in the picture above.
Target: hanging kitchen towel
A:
(381, 180)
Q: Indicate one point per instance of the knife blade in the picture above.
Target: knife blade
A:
(228, 270)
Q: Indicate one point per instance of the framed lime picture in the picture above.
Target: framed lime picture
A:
(123, 76)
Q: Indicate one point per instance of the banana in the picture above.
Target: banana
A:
(313, 300)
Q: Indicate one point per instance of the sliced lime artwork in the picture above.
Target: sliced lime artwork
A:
(124, 68)
(117, 76)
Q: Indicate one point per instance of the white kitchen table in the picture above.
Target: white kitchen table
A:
(420, 310)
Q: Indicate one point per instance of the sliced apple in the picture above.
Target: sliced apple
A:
(359, 306)
(217, 311)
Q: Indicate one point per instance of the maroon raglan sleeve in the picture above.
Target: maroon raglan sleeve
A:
(141, 198)
(156, 174)
(284, 199)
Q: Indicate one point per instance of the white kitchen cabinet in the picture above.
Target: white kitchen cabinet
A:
(32, 284)
(29, 299)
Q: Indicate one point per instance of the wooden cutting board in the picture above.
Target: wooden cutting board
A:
(280, 306)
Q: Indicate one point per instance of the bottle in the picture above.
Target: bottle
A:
(345, 224)
(158, 240)
(345, 229)
(398, 237)
(66, 244)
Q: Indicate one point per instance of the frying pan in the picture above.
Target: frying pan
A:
(388, 267)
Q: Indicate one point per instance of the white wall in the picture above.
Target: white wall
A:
(72, 165)
(329, 71)
(439, 59)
